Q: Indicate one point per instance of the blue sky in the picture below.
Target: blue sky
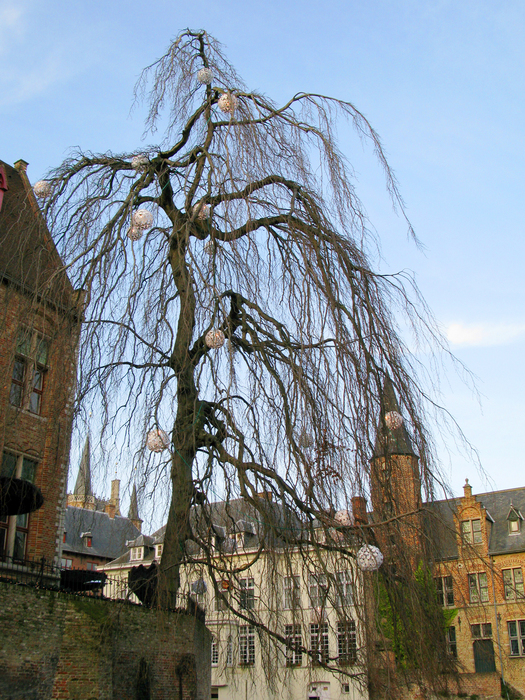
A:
(442, 83)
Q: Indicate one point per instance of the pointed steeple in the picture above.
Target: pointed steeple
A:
(133, 513)
(392, 437)
(83, 482)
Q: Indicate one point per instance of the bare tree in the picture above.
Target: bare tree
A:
(257, 238)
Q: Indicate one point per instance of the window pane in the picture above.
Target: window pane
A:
(42, 350)
(37, 380)
(475, 631)
(15, 395)
(21, 520)
(466, 531)
(19, 370)
(513, 631)
(19, 549)
(487, 629)
(34, 402)
(8, 464)
(28, 469)
(476, 530)
(23, 345)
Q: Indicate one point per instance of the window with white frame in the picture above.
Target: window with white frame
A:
(514, 526)
(14, 529)
(29, 369)
(214, 651)
(246, 645)
(247, 594)
(516, 637)
(229, 651)
(481, 630)
(445, 590)
(91, 566)
(292, 592)
(346, 642)
(513, 583)
(317, 588)
(158, 551)
(452, 646)
(294, 654)
(319, 644)
(220, 602)
(67, 563)
(478, 588)
(344, 591)
(137, 553)
(471, 531)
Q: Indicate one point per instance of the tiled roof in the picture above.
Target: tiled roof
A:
(109, 535)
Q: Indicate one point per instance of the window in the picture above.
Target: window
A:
(214, 695)
(220, 602)
(137, 553)
(445, 591)
(517, 637)
(471, 531)
(346, 642)
(344, 588)
(478, 588)
(246, 645)
(317, 590)
(482, 630)
(319, 642)
(214, 651)
(247, 594)
(91, 566)
(514, 527)
(229, 651)
(27, 384)
(513, 583)
(158, 551)
(294, 655)
(14, 529)
(291, 592)
(452, 646)
(67, 563)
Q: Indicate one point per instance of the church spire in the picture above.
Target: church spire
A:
(133, 513)
(83, 482)
(392, 437)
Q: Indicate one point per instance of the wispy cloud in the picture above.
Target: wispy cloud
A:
(484, 334)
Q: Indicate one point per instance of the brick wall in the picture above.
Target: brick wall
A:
(56, 647)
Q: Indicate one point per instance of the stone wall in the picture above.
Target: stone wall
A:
(55, 646)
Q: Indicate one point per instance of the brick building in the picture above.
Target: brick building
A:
(40, 317)
(94, 530)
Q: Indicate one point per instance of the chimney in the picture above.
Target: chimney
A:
(268, 495)
(359, 510)
(467, 490)
(21, 165)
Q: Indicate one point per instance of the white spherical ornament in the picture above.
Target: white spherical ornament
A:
(228, 103)
(305, 440)
(157, 440)
(209, 247)
(134, 233)
(42, 189)
(393, 420)
(140, 162)
(344, 518)
(142, 219)
(214, 338)
(369, 558)
(205, 76)
(201, 210)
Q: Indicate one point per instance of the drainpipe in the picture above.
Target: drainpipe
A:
(497, 625)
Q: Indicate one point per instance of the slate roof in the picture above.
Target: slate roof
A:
(109, 535)
(28, 256)
(441, 529)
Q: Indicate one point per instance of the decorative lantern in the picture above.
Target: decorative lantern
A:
(228, 103)
(369, 558)
(142, 219)
(393, 420)
(134, 233)
(205, 76)
(157, 440)
(140, 162)
(201, 210)
(42, 189)
(214, 338)
(305, 440)
(344, 518)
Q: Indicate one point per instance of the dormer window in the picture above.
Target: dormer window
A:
(471, 531)
(137, 553)
(87, 538)
(158, 551)
(514, 519)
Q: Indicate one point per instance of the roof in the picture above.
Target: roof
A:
(28, 256)
(391, 441)
(83, 482)
(441, 527)
(109, 535)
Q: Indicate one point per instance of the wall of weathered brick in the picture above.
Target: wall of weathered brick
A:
(57, 647)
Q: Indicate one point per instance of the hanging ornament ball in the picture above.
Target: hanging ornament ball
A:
(157, 440)
(201, 210)
(205, 76)
(209, 248)
(140, 162)
(393, 420)
(42, 189)
(344, 518)
(142, 219)
(305, 440)
(228, 103)
(214, 338)
(369, 558)
(134, 233)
